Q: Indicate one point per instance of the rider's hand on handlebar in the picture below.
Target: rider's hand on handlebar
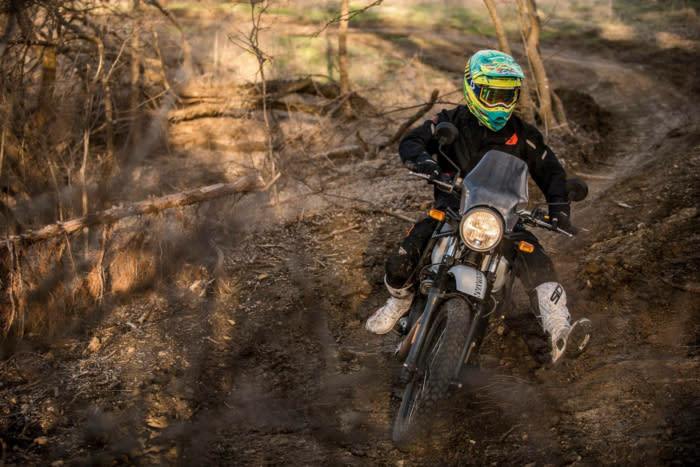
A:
(563, 221)
(445, 179)
(559, 215)
(426, 165)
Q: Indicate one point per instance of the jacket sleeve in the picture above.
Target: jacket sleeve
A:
(418, 144)
(545, 168)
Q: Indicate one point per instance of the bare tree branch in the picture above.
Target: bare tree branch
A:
(187, 52)
(350, 15)
(406, 125)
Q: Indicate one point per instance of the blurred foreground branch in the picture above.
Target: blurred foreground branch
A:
(244, 184)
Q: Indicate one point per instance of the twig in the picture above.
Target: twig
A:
(690, 287)
(341, 231)
(595, 177)
(11, 289)
(83, 186)
(272, 182)
(623, 205)
(505, 435)
(340, 153)
(347, 17)
(134, 327)
(402, 129)
(398, 215)
(373, 208)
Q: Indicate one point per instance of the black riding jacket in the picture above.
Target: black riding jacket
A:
(516, 137)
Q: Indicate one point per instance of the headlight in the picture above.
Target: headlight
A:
(481, 229)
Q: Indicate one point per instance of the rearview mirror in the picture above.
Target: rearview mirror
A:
(576, 189)
(446, 133)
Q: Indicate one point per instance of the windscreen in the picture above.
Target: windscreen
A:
(498, 181)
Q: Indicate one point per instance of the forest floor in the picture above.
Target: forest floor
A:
(247, 345)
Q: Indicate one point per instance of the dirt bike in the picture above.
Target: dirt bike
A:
(464, 276)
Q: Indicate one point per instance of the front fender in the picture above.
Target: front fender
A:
(469, 281)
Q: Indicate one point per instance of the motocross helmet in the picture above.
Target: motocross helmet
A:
(492, 87)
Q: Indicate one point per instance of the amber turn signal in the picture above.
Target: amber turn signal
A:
(437, 214)
(526, 247)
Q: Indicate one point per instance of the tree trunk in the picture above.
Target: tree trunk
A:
(526, 105)
(500, 32)
(135, 127)
(533, 53)
(530, 24)
(343, 50)
(48, 79)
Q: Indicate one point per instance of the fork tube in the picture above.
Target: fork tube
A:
(468, 343)
(433, 296)
(435, 293)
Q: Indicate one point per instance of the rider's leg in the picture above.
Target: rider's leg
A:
(384, 319)
(549, 298)
(548, 302)
(399, 269)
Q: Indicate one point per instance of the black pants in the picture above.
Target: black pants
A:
(531, 268)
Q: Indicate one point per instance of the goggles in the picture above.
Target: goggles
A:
(494, 97)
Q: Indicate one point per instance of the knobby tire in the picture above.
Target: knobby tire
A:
(436, 366)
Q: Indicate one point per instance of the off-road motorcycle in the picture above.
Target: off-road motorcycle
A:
(464, 276)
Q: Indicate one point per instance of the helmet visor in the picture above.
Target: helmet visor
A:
(492, 97)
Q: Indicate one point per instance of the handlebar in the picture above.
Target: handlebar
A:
(449, 187)
(536, 217)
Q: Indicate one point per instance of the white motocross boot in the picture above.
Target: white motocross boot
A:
(383, 320)
(569, 339)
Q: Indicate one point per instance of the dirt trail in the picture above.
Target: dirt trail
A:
(252, 349)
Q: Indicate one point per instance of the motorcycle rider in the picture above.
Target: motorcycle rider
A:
(492, 82)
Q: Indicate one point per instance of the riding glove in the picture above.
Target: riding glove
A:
(559, 216)
(425, 164)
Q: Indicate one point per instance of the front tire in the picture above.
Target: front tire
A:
(436, 366)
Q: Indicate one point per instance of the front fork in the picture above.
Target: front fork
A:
(435, 294)
(469, 344)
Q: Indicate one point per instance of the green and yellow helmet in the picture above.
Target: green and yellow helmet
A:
(492, 86)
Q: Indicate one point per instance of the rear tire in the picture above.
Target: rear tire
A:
(436, 366)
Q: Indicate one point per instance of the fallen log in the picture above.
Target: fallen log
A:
(244, 184)
(197, 111)
(276, 89)
(236, 101)
(205, 111)
(343, 152)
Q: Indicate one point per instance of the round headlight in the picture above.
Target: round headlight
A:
(481, 229)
